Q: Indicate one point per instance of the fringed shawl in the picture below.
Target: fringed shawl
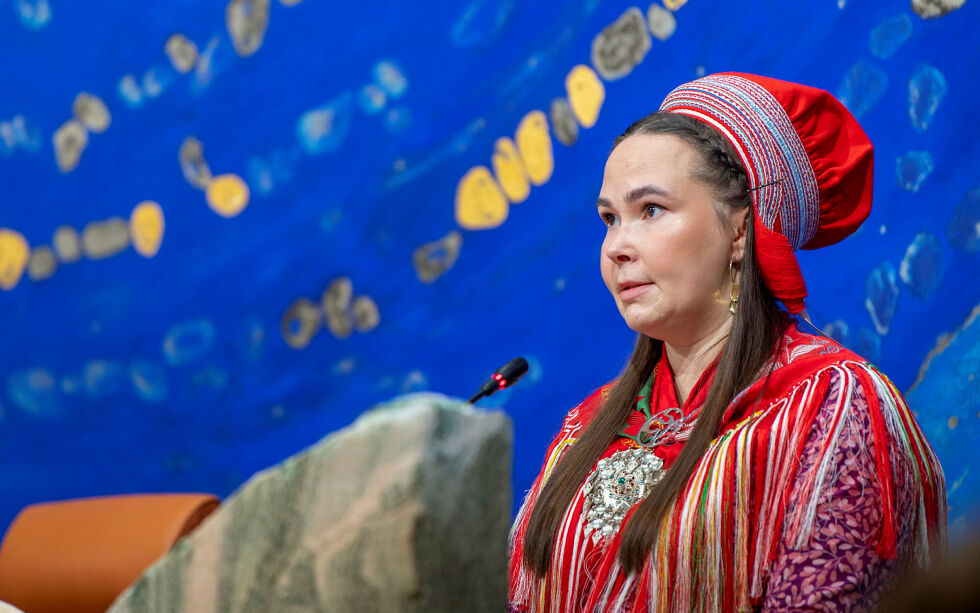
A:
(721, 536)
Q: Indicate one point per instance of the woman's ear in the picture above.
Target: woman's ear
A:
(740, 221)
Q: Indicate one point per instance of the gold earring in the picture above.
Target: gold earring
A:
(733, 296)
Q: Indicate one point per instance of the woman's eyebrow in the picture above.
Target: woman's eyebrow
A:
(637, 193)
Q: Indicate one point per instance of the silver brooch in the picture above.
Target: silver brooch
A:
(660, 428)
(618, 483)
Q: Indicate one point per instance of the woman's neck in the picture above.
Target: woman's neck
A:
(688, 362)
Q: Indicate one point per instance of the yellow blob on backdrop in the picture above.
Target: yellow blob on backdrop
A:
(227, 195)
(534, 143)
(146, 228)
(509, 170)
(586, 93)
(480, 204)
(14, 252)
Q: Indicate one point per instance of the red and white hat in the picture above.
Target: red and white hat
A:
(809, 165)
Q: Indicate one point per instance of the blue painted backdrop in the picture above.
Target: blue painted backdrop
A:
(285, 145)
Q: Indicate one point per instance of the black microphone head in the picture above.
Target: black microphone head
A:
(515, 368)
(506, 375)
(509, 373)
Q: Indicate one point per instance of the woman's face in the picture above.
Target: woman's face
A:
(666, 251)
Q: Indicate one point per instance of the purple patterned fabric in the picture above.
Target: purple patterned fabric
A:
(839, 569)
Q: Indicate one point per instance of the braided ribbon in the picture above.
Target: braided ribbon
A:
(783, 186)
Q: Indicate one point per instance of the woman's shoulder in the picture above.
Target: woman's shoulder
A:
(585, 411)
(799, 346)
(801, 355)
(804, 368)
(838, 410)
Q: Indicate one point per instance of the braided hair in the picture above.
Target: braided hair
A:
(720, 168)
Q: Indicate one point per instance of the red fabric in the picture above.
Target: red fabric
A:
(778, 267)
(840, 152)
(886, 546)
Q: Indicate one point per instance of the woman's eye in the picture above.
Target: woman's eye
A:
(608, 218)
(652, 210)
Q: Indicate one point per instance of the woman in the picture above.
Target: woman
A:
(738, 463)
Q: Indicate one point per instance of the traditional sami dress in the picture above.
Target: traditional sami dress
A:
(818, 489)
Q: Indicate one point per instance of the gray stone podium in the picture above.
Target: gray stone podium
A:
(405, 510)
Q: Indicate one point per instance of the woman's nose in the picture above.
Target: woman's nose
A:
(618, 247)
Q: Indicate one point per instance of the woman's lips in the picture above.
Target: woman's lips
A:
(634, 291)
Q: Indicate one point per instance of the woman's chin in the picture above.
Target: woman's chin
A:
(645, 326)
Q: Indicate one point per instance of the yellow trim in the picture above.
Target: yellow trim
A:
(554, 457)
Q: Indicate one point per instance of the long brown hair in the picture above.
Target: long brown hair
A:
(753, 337)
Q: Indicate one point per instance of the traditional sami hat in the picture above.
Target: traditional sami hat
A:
(809, 165)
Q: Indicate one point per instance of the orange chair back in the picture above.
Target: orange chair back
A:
(78, 555)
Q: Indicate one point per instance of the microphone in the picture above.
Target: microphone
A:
(504, 377)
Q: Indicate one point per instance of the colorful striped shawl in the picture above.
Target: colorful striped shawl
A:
(720, 539)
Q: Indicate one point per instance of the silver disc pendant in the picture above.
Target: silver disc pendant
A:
(617, 483)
